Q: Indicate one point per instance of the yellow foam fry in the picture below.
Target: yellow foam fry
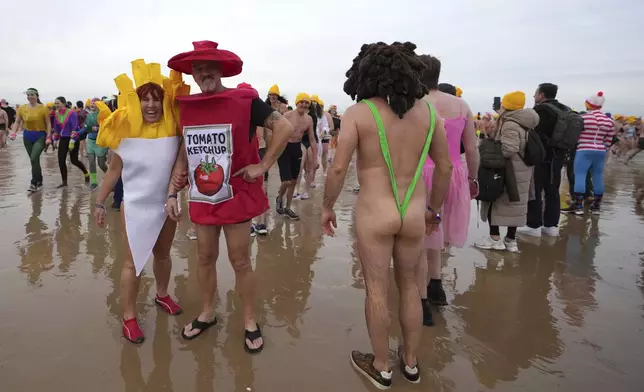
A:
(103, 112)
(113, 129)
(131, 102)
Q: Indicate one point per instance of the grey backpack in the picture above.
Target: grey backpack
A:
(568, 127)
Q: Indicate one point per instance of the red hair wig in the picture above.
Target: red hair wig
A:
(150, 88)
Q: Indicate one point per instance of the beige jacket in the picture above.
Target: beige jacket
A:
(513, 140)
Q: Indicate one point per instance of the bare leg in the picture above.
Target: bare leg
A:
(289, 193)
(129, 282)
(208, 251)
(238, 244)
(302, 170)
(162, 266)
(423, 275)
(375, 253)
(434, 264)
(407, 254)
(310, 169)
(325, 156)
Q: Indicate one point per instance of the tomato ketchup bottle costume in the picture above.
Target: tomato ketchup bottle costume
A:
(215, 130)
(148, 152)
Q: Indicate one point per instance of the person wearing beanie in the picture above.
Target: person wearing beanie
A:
(594, 141)
(275, 99)
(290, 161)
(511, 208)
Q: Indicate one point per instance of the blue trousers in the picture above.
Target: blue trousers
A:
(594, 161)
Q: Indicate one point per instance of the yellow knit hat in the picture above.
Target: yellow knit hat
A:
(316, 99)
(513, 101)
(274, 90)
(459, 92)
(302, 97)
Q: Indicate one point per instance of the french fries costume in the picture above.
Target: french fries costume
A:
(148, 152)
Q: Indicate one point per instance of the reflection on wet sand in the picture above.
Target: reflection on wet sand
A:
(564, 314)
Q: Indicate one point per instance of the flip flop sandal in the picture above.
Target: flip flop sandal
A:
(200, 325)
(252, 336)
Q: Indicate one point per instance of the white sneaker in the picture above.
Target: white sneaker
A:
(550, 231)
(489, 244)
(527, 230)
(511, 245)
(304, 196)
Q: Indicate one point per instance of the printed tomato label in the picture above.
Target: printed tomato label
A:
(210, 151)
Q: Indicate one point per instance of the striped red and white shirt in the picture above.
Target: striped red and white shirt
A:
(598, 131)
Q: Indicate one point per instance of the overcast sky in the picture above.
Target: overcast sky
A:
(488, 48)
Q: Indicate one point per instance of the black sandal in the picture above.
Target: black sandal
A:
(200, 325)
(252, 336)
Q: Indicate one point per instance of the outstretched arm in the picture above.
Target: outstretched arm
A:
(471, 148)
(343, 153)
(439, 152)
(280, 130)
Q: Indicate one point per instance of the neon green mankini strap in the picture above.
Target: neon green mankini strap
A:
(384, 146)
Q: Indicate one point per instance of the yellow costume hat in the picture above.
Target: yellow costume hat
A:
(513, 101)
(50, 105)
(127, 120)
(302, 97)
(316, 99)
(459, 92)
(274, 90)
(88, 102)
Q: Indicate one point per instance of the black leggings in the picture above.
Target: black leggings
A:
(63, 149)
(494, 230)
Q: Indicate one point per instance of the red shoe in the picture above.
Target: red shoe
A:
(132, 332)
(167, 304)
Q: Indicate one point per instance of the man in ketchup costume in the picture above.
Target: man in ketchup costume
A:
(219, 157)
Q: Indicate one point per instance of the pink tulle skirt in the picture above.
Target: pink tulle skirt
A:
(455, 217)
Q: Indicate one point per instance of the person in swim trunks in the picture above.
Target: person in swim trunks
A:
(263, 138)
(290, 161)
(225, 191)
(392, 214)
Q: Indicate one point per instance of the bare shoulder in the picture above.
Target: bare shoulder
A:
(289, 114)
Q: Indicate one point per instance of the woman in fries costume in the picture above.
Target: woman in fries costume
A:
(143, 134)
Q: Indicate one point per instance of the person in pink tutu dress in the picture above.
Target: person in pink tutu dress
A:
(463, 187)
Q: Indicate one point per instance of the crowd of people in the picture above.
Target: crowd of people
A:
(421, 157)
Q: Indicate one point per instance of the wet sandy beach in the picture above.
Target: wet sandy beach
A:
(565, 314)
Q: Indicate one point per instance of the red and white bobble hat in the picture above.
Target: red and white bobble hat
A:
(596, 101)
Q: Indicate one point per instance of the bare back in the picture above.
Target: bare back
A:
(406, 138)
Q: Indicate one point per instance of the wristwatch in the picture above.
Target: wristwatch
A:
(437, 216)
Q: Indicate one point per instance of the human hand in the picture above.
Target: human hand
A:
(12, 136)
(250, 173)
(94, 128)
(99, 215)
(179, 179)
(48, 140)
(329, 222)
(431, 222)
(474, 188)
(172, 209)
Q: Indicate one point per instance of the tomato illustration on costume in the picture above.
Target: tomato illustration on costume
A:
(209, 149)
(209, 177)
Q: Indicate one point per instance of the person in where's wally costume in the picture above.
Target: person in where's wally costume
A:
(143, 135)
(219, 157)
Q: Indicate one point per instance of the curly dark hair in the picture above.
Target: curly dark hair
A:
(392, 72)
